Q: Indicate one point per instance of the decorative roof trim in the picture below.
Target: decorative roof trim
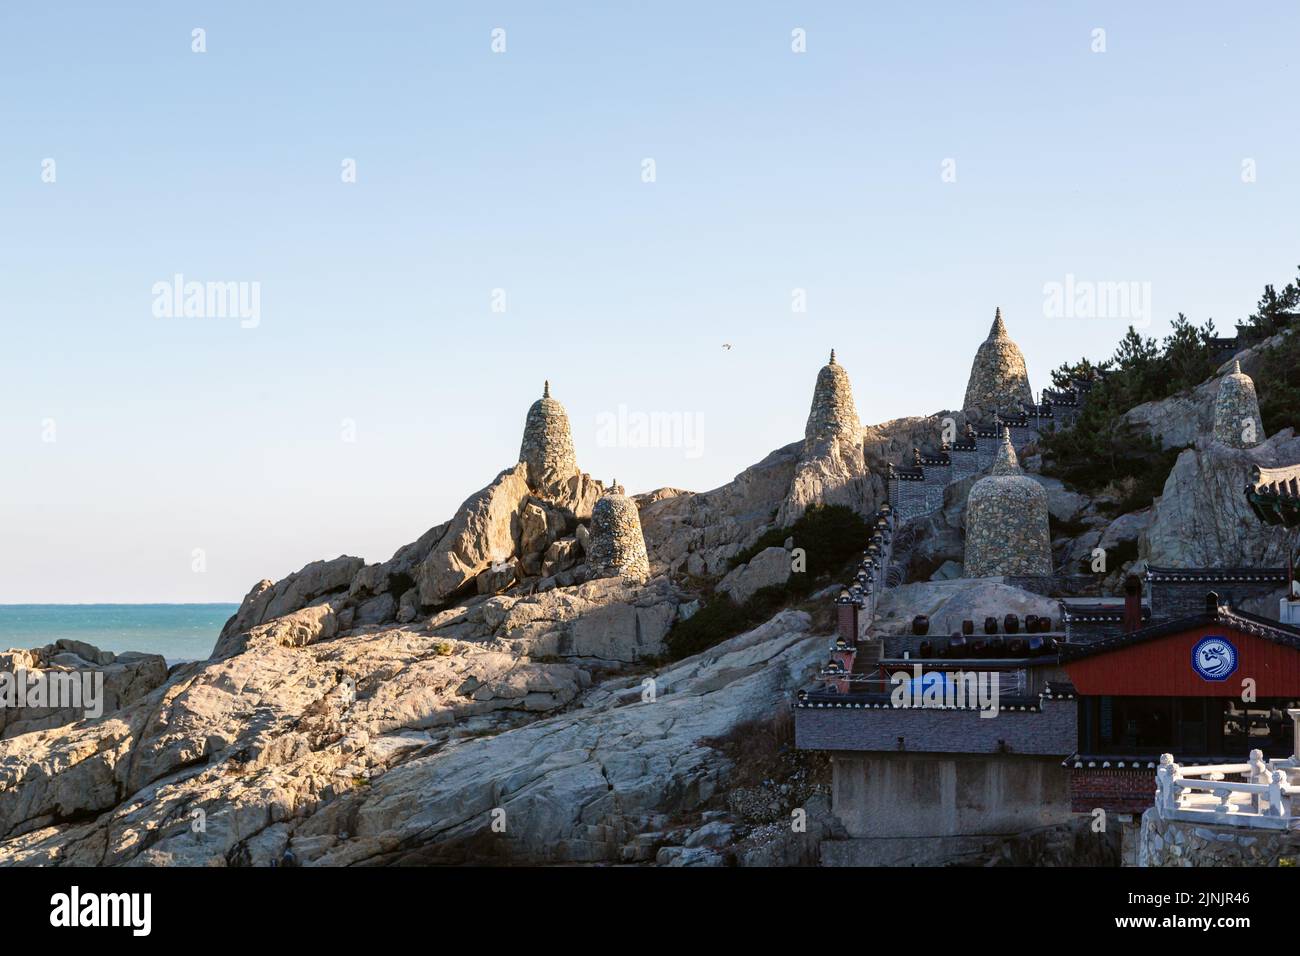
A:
(1274, 631)
(1215, 575)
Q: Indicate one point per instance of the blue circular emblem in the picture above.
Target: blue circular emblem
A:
(1214, 658)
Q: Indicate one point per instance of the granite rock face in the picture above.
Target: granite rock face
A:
(121, 679)
(269, 600)
(484, 532)
(1007, 528)
(948, 603)
(1202, 518)
(391, 746)
(698, 534)
(769, 568)
(1178, 421)
(998, 378)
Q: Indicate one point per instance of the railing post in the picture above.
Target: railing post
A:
(1258, 773)
(1166, 785)
(1278, 804)
(1295, 732)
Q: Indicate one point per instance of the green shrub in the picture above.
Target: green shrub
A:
(719, 618)
(829, 534)
(1100, 453)
(1277, 382)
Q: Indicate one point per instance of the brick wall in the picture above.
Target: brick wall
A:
(1114, 790)
(907, 498)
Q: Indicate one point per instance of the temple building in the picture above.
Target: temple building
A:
(547, 447)
(1211, 694)
(1111, 703)
(1007, 521)
(1236, 411)
(1274, 495)
(999, 380)
(617, 546)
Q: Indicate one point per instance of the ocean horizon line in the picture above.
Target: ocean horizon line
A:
(119, 603)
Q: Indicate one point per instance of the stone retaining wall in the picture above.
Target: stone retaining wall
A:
(1176, 843)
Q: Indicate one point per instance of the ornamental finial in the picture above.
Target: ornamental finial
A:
(999, 330)
(546, 389)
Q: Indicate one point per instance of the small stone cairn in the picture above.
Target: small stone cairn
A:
(617, 547)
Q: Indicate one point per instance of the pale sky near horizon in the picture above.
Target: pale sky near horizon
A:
(132, 439)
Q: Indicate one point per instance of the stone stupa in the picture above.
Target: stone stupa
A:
(1006, 521)
(831, 469)
(617, 546)
(1236, 411)
(999, 380)
(547, 447)
(833, 416)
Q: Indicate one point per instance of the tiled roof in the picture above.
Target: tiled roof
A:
(1077, 761)
(1261, 627)
(1274, 495)
(1215, 575)
(821, 700)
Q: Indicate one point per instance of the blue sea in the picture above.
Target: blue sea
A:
(179, 632)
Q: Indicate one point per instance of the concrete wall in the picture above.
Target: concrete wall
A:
(942, 795)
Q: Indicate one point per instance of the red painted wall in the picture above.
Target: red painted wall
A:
(1163, 668)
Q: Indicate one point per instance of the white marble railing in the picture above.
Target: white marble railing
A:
(1262, 799)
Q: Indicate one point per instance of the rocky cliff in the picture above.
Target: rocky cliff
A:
(488, 693)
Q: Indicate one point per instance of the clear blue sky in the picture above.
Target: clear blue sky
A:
(522, 171)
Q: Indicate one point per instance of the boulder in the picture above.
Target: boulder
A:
(105, 683)
(768, 568)
(484, 532)
(377, 610)
(561, 555)
(607, 619)
(1063, 505)
(1126, 530)
(267, 601)
(948, 603)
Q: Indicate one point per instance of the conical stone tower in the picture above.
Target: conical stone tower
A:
(1236, 411)
(998, 378)
(547, 448)
(1006, 521)
(833, 414)
(617, 547)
